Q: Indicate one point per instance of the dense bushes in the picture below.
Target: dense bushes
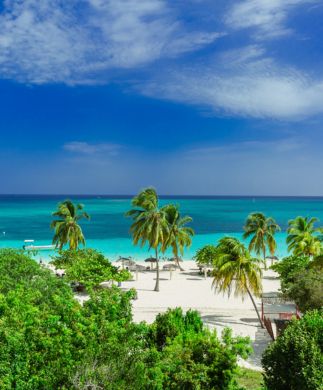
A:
(307, 289)
(49, 341)
(295, 360)
(169, 325)
(301, 281)
(88, 267)
(41, 334)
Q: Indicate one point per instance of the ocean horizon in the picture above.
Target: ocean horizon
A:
(27, 217)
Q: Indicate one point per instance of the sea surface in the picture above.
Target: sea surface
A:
(29, 217)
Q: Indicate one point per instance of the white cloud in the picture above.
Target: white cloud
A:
(268, 16)
(260, 147)
(244, 83)
(87, 148)
(77, 42)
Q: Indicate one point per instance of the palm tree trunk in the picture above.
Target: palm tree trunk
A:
(178, 264)
(157, 271)
(255, 306)
(265, 263)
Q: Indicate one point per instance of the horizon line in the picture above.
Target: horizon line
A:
(161, 195)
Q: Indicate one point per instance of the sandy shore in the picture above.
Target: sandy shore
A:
(188, 289)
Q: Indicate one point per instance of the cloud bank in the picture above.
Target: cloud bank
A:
(267, 17)
(157, 44)
(84, 42)
(245, 83)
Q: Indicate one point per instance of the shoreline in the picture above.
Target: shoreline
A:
(123, 247)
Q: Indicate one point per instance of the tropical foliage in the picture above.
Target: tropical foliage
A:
(150, 225)
(41, 333)
(235, 270)
(303, 237)
(66, 227)
(288, 267)
(159, 227)
(206, 255)
(180, 235)
(88, 267)
(49, 341)
(307, 289)
(191, 357)
(261, 231)
(302, 281)
(295, 360)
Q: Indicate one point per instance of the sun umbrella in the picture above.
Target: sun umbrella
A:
(175, 259)
(151, 260)
(126, 262)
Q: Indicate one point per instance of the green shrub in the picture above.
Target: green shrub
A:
(295, 360)
(192, 357)
(206, 255)
(307, 289)
(88, 267)
(288, 268)
(301, 281)
(172, 323)
(49, 341)
(41, 333)
(201, 360)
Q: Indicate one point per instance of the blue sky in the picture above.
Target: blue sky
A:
(192, 97)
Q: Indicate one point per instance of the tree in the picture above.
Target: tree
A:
(49, 341)
(190, 356)
(302, 281)
(179, 235)
(303, 237)
(206, 255)
(88, 267)
(150, 225)
(294, 360)
(41, 334)
(235, 269)
(307, 289)
(288, 268)
(66, 227)
(262, 231)
(172, 323)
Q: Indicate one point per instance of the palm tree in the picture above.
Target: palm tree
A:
(66, 227)
(303, 237)
(180, 236)
(262, 231)
(150, 225)
(235, 270)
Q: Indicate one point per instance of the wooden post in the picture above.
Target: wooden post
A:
(205, 273)
(136, 274)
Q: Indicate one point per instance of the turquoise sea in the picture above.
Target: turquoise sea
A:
(28, 217)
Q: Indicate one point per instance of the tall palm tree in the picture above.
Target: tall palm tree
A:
(66, 227)
(149, 223)
(235, 270)
(303, 237)
(180, 236)
(262, 231)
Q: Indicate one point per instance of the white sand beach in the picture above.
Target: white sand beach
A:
(189, 290)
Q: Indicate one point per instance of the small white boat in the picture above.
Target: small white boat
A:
(29, 246)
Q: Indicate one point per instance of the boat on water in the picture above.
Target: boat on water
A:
(29, 245)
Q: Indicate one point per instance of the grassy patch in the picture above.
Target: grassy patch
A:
(249, 379)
